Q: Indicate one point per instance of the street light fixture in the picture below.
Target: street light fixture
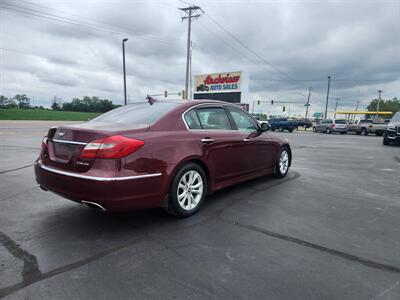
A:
(123, 62)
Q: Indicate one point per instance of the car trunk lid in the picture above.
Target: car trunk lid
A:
(64, 144)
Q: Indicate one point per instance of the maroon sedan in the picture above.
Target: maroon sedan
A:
(160, 154)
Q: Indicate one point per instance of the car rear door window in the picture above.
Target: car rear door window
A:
(192, 120)
(213, 118)
(243, 121)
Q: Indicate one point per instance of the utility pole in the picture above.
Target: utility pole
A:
(327, 97)
(190, 14)
(123, 63)
(337, 101)
(190, 71)
(358, 102)
(379, 102)
(308, 101)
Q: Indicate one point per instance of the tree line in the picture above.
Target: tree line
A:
(96, 104)
(385, 105)
(86, 104)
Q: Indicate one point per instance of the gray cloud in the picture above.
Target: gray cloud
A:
(355, 42)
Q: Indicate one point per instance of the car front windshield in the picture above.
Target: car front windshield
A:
(137, 113)
(396, 117)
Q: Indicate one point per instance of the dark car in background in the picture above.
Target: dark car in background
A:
(282, 124)
(392, 132)
(331, 126)
(167, 154)
(305, 123)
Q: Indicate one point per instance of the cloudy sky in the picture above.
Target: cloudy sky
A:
(71, 48)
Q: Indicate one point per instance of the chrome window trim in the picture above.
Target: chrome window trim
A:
(95, 178)
(69, 142)
(197, 105)
(220, 105)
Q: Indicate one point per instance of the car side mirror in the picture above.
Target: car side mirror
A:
(264, 126)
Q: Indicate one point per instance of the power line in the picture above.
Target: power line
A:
(101, 24)
(95, 27)
(252, 51)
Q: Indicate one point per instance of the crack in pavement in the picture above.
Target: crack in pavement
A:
(16, 169)
(31, 268)
(39, 276)
(21, 147)
(347, 256)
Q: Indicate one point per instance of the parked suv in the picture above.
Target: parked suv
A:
(331, 125)
(392, 132)
(283, 124)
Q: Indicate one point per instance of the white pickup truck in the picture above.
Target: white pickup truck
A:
(366, 126)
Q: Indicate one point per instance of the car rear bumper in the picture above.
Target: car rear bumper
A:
(111, 193)
(339, 129)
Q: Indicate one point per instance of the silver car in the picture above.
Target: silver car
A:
(331, 125)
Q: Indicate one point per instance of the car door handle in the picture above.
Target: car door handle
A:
(246, 140)
(207, 140)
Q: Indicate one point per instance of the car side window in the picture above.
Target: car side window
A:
(192, 120)
(243, 121)
(213, 118)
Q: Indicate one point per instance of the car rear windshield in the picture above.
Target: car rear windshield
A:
(340, 121)
(137, 113)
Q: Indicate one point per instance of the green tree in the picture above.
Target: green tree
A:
(23, 100)
(7, 102)
(385, 105)
(89, 104)
(3, 101)
(55, 103)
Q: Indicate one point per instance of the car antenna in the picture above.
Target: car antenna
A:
(150, 99)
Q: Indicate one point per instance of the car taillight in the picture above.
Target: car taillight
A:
(44, 143)
(116, 146)
(370, 126)
(333, 126)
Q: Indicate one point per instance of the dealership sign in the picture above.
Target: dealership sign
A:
(218, 82)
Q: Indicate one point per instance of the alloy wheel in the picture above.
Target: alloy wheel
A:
(283, 162)
(190, 190)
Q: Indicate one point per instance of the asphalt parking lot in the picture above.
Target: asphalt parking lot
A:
(329, 230)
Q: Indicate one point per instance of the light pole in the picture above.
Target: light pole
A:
(327, 97)
(308, 101)
(123, 62)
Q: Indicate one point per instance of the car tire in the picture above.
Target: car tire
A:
(386, 140)
(328, 130)
(282, 163)
(185, 197)
(364, 132)
(290, 130)
(281, 129)
(315, 129)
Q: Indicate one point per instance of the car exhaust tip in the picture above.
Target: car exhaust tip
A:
(93, 205)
